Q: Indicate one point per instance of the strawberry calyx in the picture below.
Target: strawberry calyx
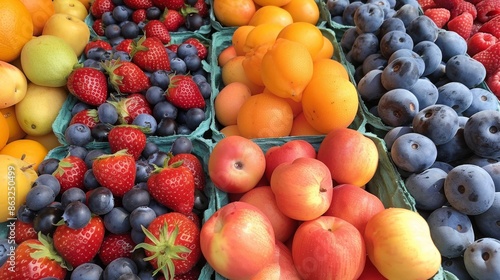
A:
(121, 108)
(63, 164)
(164, 250)
(144, 129)
(122, 152)
(138, 46)
(109, 67)
(186, 10)
(46, 250)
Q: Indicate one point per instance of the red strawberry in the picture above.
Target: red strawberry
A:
(202, 49)
(492, 27)
(128, 137)
(88, 85)
(115, 172)
(194, 164)
(447, 4)
(195, 218)
(169, 4)
(87, 117)
(493, 82)
(440, 16)
(173, 244)
(97, 43)
(479, 42)
(173, 47)
(487, 9)
(150, 54)
(183, 93)
(156, 28)
(138, 4)
(99, 7)
(78, 246)
(463, 7)
(115, 246)
(126, 77)
(125, 45)
(34, 259)
(98, 27)
(172, 19)
(24, 231)
(173, 187)
(427, 4)
(130, 107)
(202, 8)
(462, 25)
(70, 172)
(489, 58)
(139, 15)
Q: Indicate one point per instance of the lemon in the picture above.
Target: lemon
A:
(47, 60)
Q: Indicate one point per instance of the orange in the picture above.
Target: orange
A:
(329, 67)
(233, 12)
(271, 2)
(15, 130)
(228, 102)
(305, 33)
(233, 72)
(268, 14)
(86, 3)
(40, 11)
(301, 127)
(239, 38)
(296, 106)
(28, 150)
(262, 34)
(287, 68)
(225, 55)
(329, 103)
(326, 50)
(303, 10)
(49, 140)
(4, 131)
(253, 62)
(265, 116)
(16, 28)
(230, 130)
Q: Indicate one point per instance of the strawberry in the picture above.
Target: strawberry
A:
(150, 54)
(169, 4)
(492, 27)
(487, 10)
(125, 45)
(173, 187)
(130, 107)
(98, 27)
(34, 259)
(489, 58)
(128, 137)
(88, 85)
(115, 171)
(172, 19)
(139, 15)
(462, 25)
(493, 82)
(24, 231)
(115, 246)
(99, 7)
(70, 172)
(447, 4)
(78, 246)
(173, 47)
(439, 16)
(427, 4)
(156, 28)
(195, 218)
(172, 244)
(202, 8)
(87, 117)
(479, 42)
(194, 164)
(138, 4)
(463, 7)
(183, 93)
(126, 77)
(97, 43)
(202, 49)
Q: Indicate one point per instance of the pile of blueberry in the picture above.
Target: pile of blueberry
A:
(439, 123)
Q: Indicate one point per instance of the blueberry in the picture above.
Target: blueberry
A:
(374, 61)
(87, 271)
(154, 95)
(469, 189)
(112, 31)
(349, 11)
(451, 44)
(164, 109)
(201, 201)
(455, 149)
(457, 267)
(101, 201)
(413, 152)
(25, 215)
(482, 133)
(426, 188)
(348, 38)
(370, 86)
(364, 45)
(149, 149)
(451, 231)
(158, 208)
(438, 122)
(117, 220)
(401, 73)
(141, 216)
(481, 100)
(158, 158)
(101, 131)
(39, 197)
(481, 258)
(397, 107)
(137, 236)
(48, 166)
(120, 13)
(78, 134)
(178, 65)
(181, 145)
(122, 56)
(77, 151)
(48, 180)
(153, 13)
(193, 21)
(6, 249)
(205, 89)
(336, 7)
(134, 198)
(368, 18)
(160, 79)
(143, 170)
(130, 30)
(95, 53)
(425, 91)
(147, 122)
(107, 113)
(195, 116)
(183, 129)
(466, 70)
(193, 62)
(46, 220)
(455, 95)
(91, 155)
(394, 133)
(406, 12)
(422, 28)
(76, 215)
(118, 267)
(166, 127)
(114, 42)
(186, 49)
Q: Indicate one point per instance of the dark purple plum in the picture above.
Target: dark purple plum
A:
(391, 24)
(406, 12)
(374, 61)
(482, 133)
(438, 122)
(394, 133)
(370, 86)
(401, 73)
(430, 53)
(438, 74)
(488, 222)
(393, 41)
(413, 152)
(397, 107)
(482, 99)
(364, 45)
(450, 43)
(336, 7)
(409, 53)
(455, 149)
(426, 188)
(494, 170)
(457, 267)
(425, 91)
(455, 95)
(348, 38)
(368, 18)
(422, 28)
(348, 14)
(482, 257)
(466, 70)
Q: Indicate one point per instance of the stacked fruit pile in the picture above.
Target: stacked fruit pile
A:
(248, 139)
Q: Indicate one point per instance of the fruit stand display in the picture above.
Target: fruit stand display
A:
(250, 139)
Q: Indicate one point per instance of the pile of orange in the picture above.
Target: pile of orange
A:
(285, 63)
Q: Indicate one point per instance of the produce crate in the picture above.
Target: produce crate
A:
(222, 39)
(64, 116)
